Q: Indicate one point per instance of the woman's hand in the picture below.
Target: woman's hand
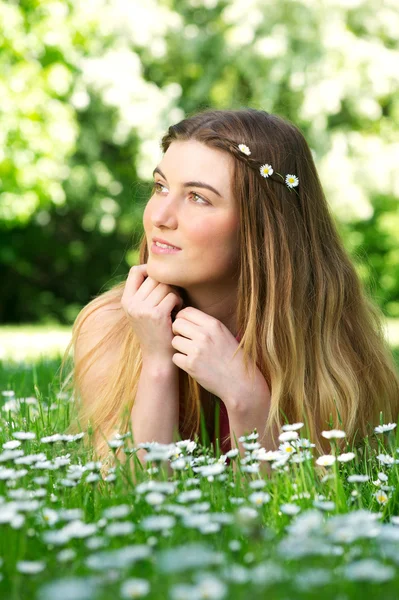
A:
(149, 305)
(204, 350)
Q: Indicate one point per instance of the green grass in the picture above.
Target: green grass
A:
(217, 540)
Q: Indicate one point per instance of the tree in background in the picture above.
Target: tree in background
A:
(89, 88)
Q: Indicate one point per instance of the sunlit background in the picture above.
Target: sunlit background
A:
(88, 89)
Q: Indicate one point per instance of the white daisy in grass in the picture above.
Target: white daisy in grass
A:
(326, 505)
(66, 555)
(11, 445)
(115, 443)
(120, 558)
(259, 498)
(251, 445)
(209, 528)
(290, 508)
(244, 149)
(292, 427)
(209, 587)
(326, 460)
(187, 445)
(333, 434)
(346, 456)
(385, 428)
(385, 459)
(135, 588)
(304, 443)
(158, 522)
(247, 438)
(68, 588)
(266, 170)
(235, 545)
(358, 478)
(269, 455)
(291, 181)
(207, 470)
(155, 498)
(381, 497)
(254, 468)
(246, 515)
(286, 448)
(30, 567)
(232, 453)
(257, 484)
(10, 455)
(382, 476)
(189, 496)
(288, 436)
(164, 487)
(179, 464)
(24, 435)
(120, 528)
(116, 512)
(92, 478)
(368, 569)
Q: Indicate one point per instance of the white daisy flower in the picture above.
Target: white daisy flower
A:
(24, 435)
(291, 181)
(290, 509)
(232, 453)
(251, 445)
(384, 428)
(257, 484)
(288, 436)
(235, 545)
(246, 438)
(118, 511)
(119, 528)
(381, 497)
(385, 459)
(346, 456)
(11, 445)
(189, 496)
(358, 478)
(154, 498)
(293, 427)
(30, 567)
(333, 434)
(259, 498)
(326, 460)
(286, 448)
(266, 170)
(244, 149)
(135, 588)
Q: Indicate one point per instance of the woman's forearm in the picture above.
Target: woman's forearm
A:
(155, 412)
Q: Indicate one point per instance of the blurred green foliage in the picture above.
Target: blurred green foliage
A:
(89, 88)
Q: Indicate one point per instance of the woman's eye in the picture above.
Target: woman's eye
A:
(157, 190)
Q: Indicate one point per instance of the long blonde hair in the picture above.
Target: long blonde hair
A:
(305, 319)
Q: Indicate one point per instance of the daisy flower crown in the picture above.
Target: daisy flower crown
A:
(266, 170)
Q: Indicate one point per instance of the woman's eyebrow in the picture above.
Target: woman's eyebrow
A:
(199, 184)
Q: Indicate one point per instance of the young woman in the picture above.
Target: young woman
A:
(256, 310)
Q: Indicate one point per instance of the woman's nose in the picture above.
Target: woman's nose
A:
(164, 213)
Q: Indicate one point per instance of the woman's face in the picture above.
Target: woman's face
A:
(202, 222)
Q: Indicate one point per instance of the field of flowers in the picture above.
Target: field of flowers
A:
(203, 532)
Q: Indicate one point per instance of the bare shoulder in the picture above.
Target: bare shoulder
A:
(94, 329)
